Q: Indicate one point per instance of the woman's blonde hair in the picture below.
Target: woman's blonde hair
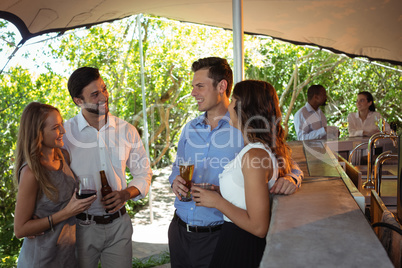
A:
(29, 145)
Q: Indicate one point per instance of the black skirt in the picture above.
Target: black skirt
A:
(237, 248)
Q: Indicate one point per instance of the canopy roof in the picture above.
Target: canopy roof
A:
(368, 28)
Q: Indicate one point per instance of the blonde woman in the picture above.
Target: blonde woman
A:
(46, 200)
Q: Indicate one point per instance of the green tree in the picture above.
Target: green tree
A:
(292, 69)
(17, 90)
(169, 49)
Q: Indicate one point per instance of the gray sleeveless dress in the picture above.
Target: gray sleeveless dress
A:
(53, 249)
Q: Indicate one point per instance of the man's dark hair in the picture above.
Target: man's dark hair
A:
(314, 90)
(219, 69)
(81, 78)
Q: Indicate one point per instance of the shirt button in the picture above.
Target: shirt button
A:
(191, 208)
(199, 176)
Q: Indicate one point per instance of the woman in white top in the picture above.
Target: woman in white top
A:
(363, 123)
(245, 181)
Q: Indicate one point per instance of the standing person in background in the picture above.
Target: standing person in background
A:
(97, 140)
(245, 181)
(46, 200)
(211, 143)
(363, 122)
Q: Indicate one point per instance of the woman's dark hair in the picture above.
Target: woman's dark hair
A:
(260, 115)
(369, 98)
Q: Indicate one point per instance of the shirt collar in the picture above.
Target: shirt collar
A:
(201, 120)
(83, 123)
(370, 113)
(309, 107)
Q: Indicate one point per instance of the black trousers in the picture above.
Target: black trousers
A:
(237, 248)
(190, 249)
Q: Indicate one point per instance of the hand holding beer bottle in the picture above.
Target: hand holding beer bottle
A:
(105, 188)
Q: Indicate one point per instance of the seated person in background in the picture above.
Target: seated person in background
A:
(363, 123)
(310, 122)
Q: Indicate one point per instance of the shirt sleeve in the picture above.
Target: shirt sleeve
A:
(296, 173)
(138, 164)
(302, 129)
(314, 134)
(179, 155)
(353, 130)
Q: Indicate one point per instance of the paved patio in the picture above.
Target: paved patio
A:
(150, 239)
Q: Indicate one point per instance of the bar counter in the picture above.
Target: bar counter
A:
(321, 225)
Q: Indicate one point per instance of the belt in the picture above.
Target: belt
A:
(105, 219)
(197, 229)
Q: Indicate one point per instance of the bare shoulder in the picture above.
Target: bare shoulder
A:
(256, 158)
(257, 153)
(257, 163)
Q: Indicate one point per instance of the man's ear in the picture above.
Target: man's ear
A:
(222, 86)
(77, 101)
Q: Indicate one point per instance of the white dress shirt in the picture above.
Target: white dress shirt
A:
(309, 123)
(356, 126)
(114, 147)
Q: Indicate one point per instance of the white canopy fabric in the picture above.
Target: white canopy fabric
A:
(367, 28)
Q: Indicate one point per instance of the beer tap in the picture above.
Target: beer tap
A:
(380, 135)
(378, 167)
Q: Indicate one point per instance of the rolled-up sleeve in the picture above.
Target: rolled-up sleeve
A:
(354, 131)
(296, 173)
(138, 164)
(179, 155)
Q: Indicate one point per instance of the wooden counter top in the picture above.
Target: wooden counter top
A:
(320, 225)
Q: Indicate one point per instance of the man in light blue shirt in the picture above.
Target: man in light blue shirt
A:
(210, 143)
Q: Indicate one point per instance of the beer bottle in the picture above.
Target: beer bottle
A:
(105, 189)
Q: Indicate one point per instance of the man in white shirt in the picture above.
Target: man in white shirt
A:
(310, 122)
(97, 140)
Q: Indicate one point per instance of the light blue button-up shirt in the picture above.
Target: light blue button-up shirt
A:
(209, 150)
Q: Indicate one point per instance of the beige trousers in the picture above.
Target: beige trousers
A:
(110, 243)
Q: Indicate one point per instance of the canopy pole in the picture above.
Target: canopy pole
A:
(238, 42)
(144, 111)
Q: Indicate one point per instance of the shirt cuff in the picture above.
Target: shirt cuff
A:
(295, 178)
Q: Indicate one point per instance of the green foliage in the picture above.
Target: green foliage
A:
(17, 90)
(7, 36)
(169, 49)
(114, 49)
(275, 62)
(153, 261)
